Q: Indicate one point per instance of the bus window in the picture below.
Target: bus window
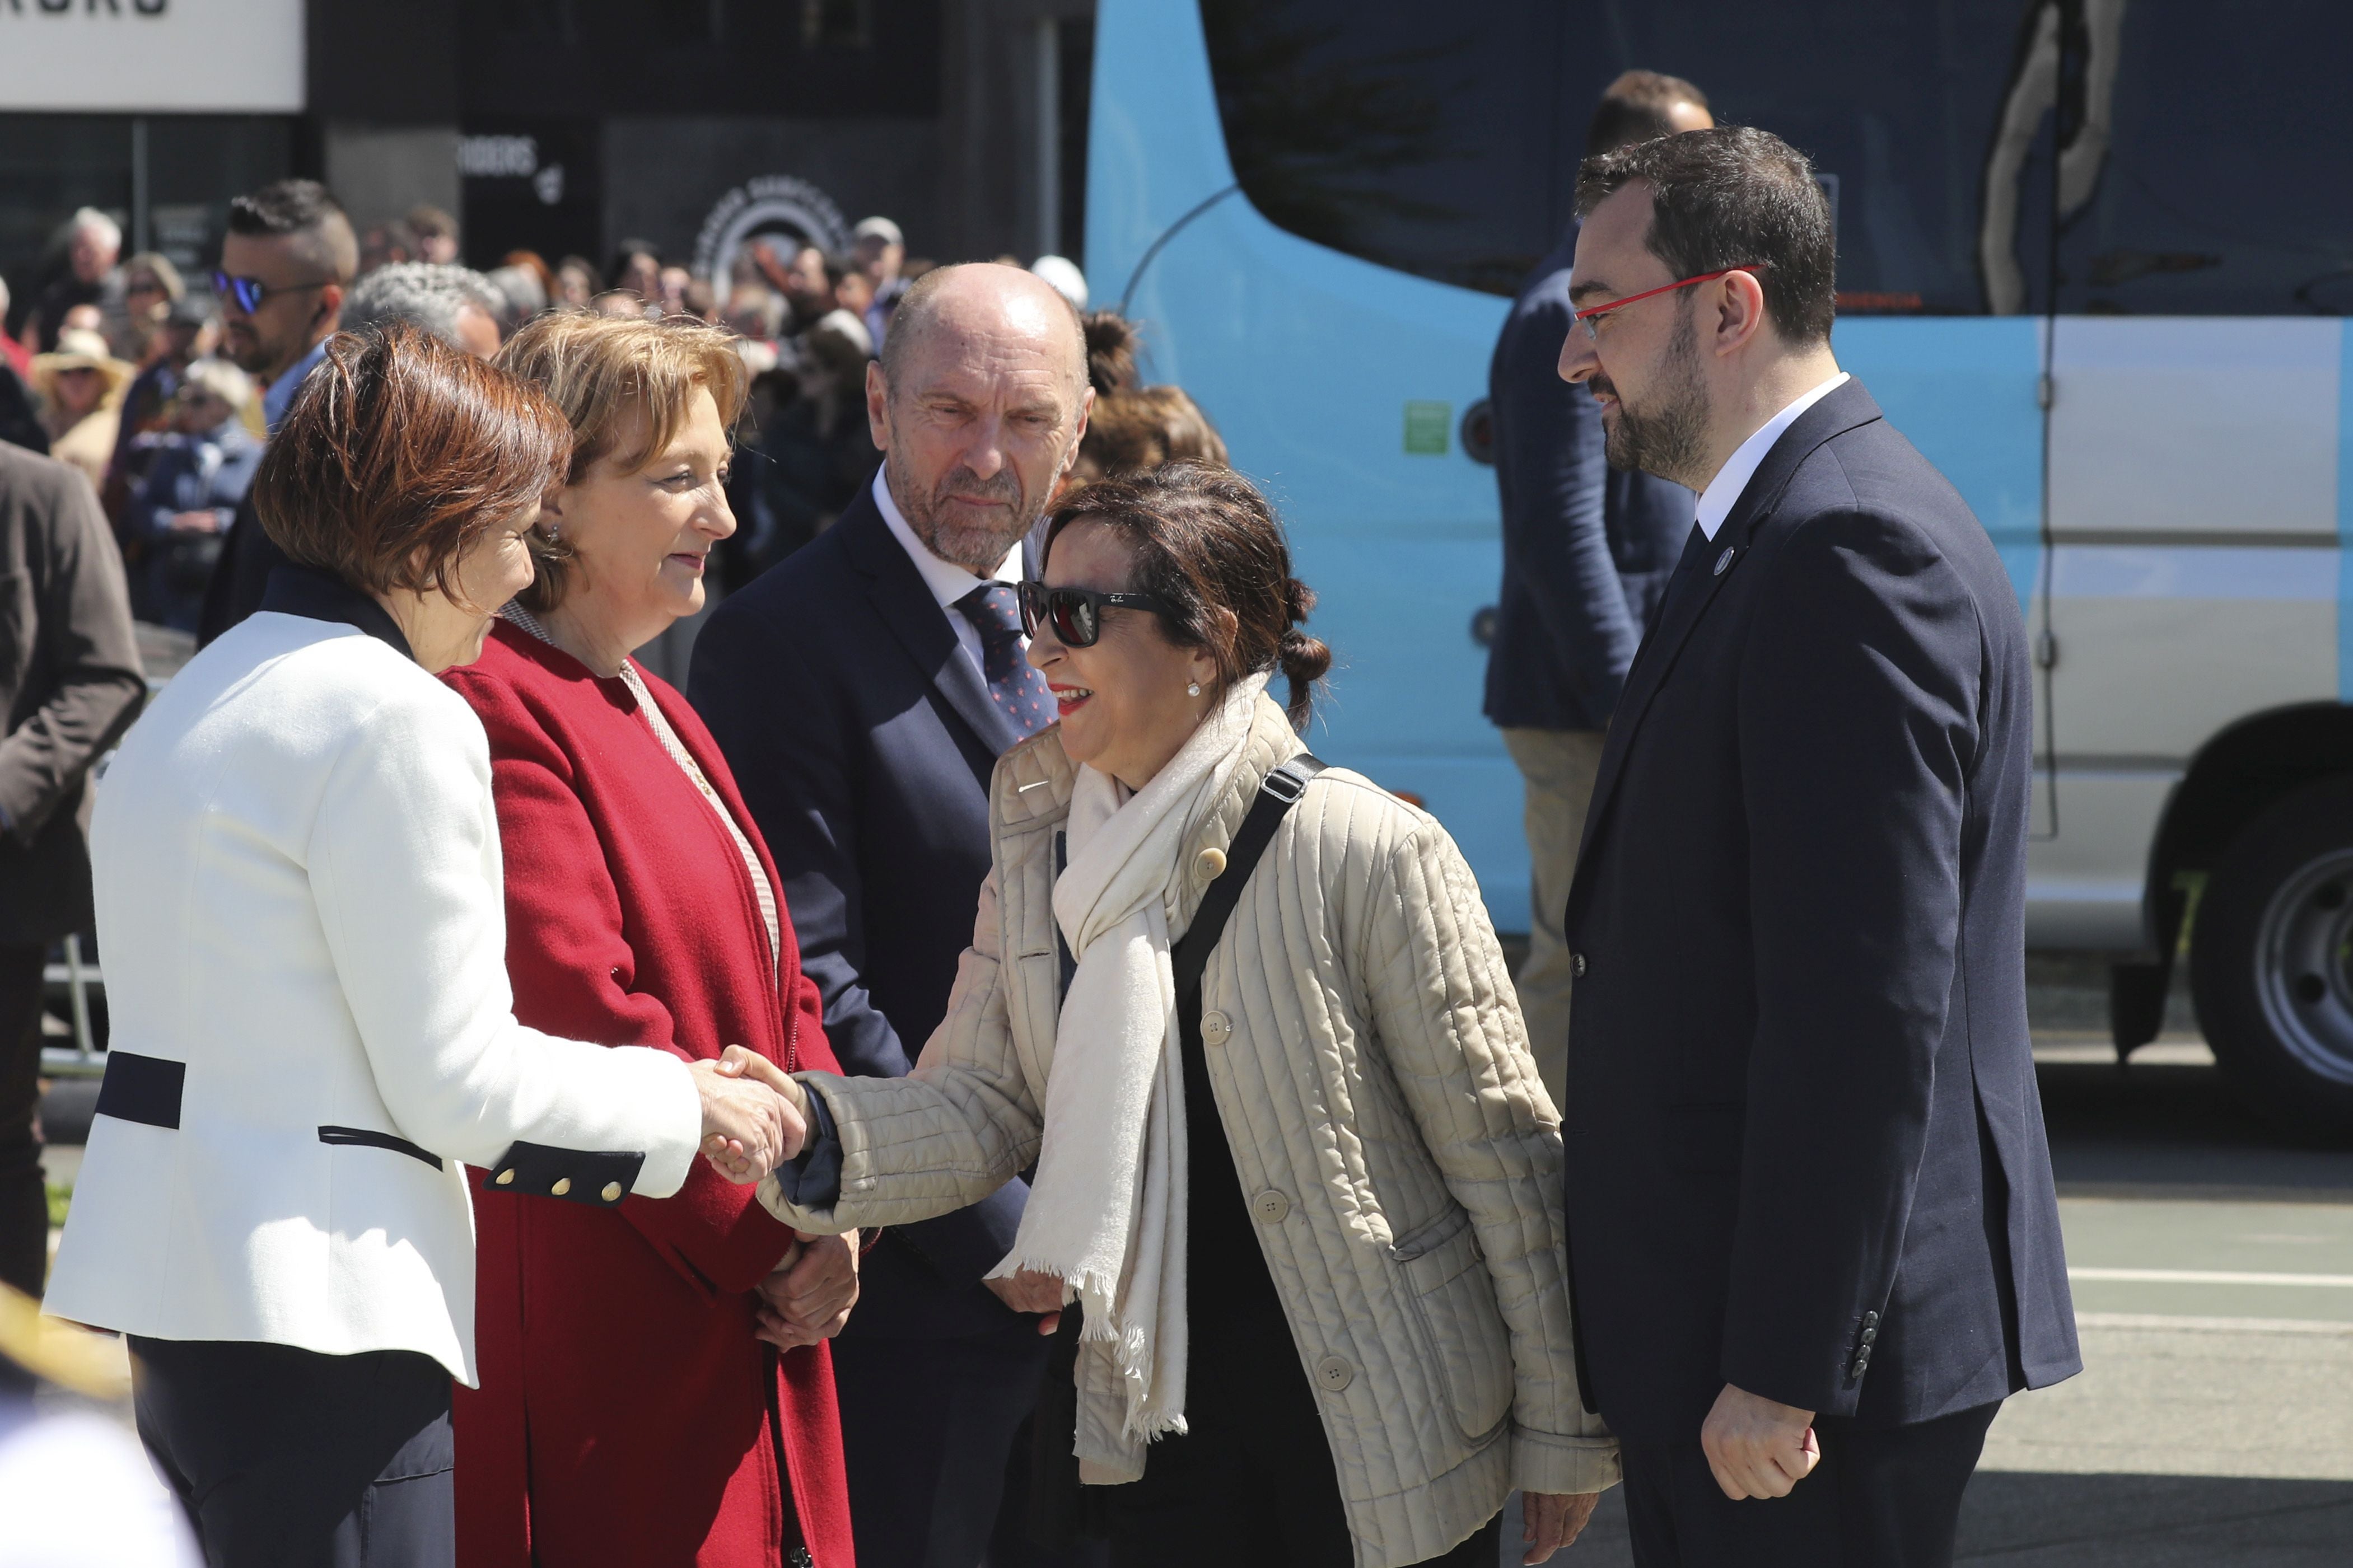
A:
(1901, 108)
(2223, 186)
(1449, 148)
(1437, 143)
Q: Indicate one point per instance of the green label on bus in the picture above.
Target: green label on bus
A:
(1425, 428)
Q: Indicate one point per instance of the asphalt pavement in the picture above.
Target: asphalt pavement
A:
(2213, 1268)
(2212, 1264)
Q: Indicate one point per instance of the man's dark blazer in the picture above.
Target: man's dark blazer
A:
(1587, 549)
(863, 739)
(70, 683)
(241, 577)
(1805, 1154)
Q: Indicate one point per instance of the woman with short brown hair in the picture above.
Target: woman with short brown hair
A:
(629, 1410)
(296, 863)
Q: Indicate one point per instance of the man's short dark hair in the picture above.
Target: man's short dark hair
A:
(299, 208)
(281, 207)
(1635, 107)
(1733, 196)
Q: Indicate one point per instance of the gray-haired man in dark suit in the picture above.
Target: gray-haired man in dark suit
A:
(862, 691)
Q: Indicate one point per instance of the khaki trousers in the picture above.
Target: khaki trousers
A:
(1558, 767)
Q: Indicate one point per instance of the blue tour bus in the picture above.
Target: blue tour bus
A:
(2096, 257)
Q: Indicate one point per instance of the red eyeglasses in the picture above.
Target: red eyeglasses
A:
(1591, 314)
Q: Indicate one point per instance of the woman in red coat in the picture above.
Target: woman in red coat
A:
(656, 1388)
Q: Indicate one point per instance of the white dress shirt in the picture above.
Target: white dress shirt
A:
(947, 580)
(1723, 492)
(280, 396)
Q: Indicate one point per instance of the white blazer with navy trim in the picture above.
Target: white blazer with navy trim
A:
(301, 916)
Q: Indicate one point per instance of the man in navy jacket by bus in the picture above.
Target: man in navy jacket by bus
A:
(1812, 1233)
(1586, 551)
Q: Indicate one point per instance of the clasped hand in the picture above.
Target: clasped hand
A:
(1027, 1292)
(749, 1126)
(1030, 1291)
(1756, 1446)
(808, 1295)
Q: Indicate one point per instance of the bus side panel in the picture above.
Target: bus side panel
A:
(1339, 387)
(1307, 360)
(2345, 512)
(2196, 575)
(1962, 389)
(1156, 149)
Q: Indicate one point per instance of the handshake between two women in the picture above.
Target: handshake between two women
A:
(753, 1117)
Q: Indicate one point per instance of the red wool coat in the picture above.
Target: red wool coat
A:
(627, 1414)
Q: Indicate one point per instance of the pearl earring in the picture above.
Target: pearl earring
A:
(1192, 688)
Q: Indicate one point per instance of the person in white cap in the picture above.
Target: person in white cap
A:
(880, 252)
(1064, 276)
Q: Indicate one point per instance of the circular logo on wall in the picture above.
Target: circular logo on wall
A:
(780, 204)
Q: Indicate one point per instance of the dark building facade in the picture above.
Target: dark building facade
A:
(565, 126)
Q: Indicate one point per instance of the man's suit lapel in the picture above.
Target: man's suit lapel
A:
(905, 604)
(1707, 566)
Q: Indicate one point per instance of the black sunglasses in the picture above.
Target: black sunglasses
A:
(250, 292)
(1076, 614)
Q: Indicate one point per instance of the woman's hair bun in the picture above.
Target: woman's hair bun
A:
(1305, 660)
(1298, 600)
(1112, 342)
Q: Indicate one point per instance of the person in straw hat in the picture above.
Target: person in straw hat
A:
(80, 386)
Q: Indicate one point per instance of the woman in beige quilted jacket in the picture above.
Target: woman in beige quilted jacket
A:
(1302, 1203)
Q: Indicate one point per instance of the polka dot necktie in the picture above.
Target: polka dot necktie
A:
(1016, 689)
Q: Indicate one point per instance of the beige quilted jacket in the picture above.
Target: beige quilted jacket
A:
(1384, 1113)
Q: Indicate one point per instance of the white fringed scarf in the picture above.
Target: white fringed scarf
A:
(1107, 1209)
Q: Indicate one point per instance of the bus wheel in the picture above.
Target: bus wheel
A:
(2271, 960)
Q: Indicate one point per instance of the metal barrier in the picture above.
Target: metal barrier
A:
(82, 1058)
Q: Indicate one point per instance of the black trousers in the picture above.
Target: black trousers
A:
(288, 1459)
(1250, 1483)
(1882, 1497)
(24, 1201)
(928, 1429)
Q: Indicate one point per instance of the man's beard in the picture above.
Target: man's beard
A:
(977, 547)
(1669, 437)
(248, 353)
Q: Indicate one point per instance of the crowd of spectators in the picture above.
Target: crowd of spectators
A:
(119, 366)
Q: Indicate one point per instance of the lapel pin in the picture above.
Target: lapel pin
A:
(1724, 562)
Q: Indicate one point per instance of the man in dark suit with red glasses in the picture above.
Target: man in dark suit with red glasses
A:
(1812, 1232)
(863, 690)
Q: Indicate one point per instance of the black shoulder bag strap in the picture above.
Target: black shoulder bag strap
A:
(1191, 957)
(1062, 1511)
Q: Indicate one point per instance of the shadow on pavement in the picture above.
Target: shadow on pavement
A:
(2169, 1125)
(2155, 1521)
(2092, 1522)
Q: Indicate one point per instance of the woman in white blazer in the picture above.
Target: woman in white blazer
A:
(298, 894)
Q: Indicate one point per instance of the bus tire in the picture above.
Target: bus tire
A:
(2271, 962)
